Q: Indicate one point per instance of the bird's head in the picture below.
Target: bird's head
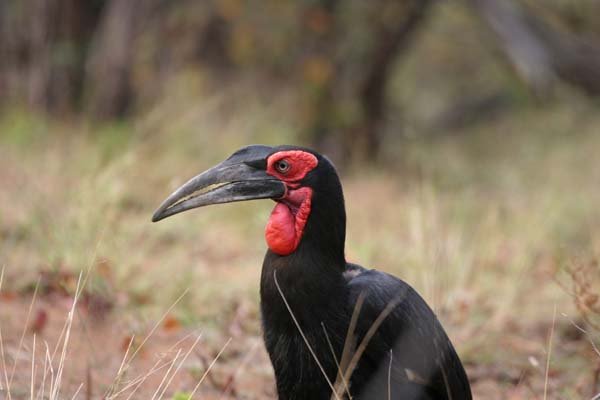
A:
(302, 182)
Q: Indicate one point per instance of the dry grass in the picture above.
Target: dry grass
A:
(485, 224)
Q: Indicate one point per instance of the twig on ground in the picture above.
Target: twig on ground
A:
(69, 324)
(179, 366)
(2, 348)
(14, 367)
(172, 364)
(230, 388)
(32, 369)
(549, 353)
(209, 368)
(340, 375)
(125, 365)
(390, 375)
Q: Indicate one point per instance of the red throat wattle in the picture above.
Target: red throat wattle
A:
(288, 219)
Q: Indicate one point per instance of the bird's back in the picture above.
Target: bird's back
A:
(409, 356)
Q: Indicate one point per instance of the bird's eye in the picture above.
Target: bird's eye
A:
(282, 166)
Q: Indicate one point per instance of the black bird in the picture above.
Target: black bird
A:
(332, 329)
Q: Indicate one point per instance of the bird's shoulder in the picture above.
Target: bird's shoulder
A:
(377, 286)
(410, 328)
(380, 292)
(407, 312)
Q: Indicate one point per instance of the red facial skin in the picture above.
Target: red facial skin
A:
(288, 219)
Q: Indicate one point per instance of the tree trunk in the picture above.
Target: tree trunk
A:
(42, 45)
(394, 34)
(40, 52)
(541, 54)
(213, 46)
(77, 22)
(108, 78)
(4, 53)
(393, 30)
(322, 72)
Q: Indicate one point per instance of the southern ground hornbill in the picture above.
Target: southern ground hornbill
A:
(332, 329)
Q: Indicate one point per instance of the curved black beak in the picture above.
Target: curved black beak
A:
(229, 181)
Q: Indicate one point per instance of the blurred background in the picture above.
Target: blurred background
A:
(466, 133)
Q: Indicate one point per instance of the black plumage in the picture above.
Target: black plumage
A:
(408, 356)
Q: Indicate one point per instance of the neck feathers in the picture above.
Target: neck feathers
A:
(325, 232)
(317, 263)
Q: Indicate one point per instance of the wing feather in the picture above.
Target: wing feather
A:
(422, 357)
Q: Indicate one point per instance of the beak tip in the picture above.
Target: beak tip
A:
(157, 216)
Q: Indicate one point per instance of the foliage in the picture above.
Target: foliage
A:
(113, 59)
